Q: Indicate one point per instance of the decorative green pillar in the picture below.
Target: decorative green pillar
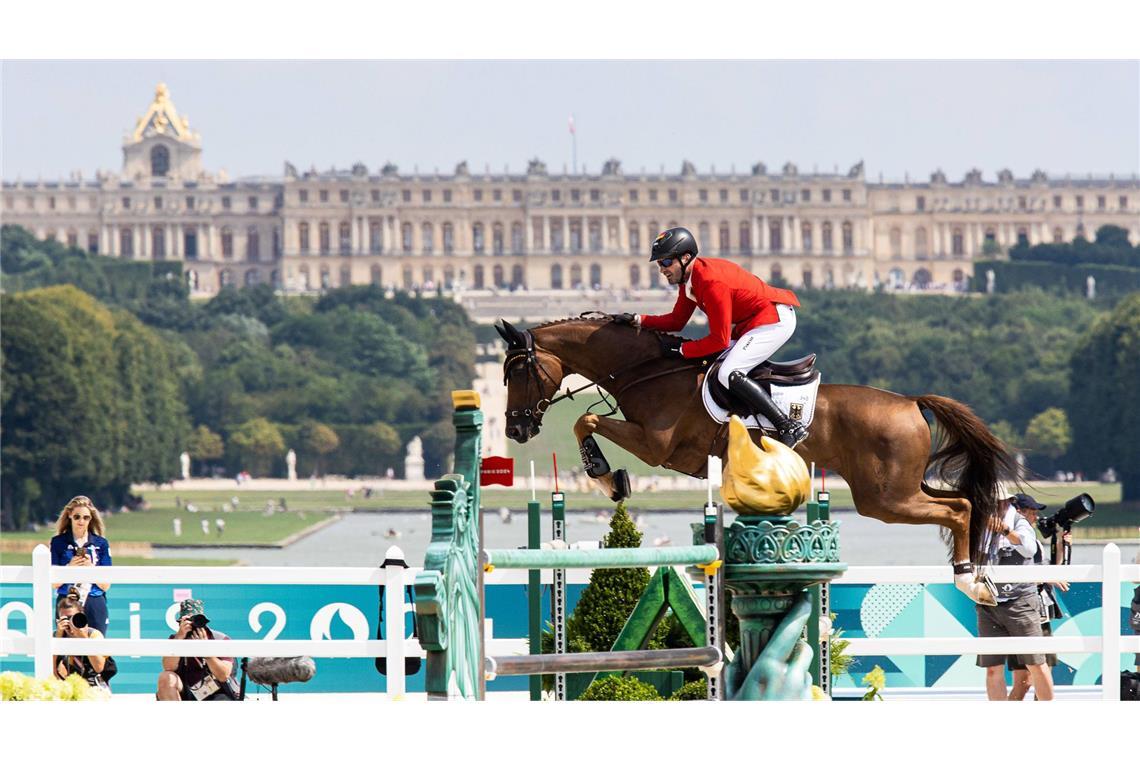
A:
(771, 561)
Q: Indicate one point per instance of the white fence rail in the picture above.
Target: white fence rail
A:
(41, 645)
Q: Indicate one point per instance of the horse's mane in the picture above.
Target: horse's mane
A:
(594, 317)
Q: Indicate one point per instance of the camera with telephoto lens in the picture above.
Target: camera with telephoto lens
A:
(1075, 509)
(78, 620)
(198, 621)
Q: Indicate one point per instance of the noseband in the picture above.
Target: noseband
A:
(528, 354)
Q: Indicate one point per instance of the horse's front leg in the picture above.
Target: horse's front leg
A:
(628, 435)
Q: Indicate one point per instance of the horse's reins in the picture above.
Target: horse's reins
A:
(529, 353)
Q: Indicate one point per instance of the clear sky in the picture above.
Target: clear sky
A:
(900, 117)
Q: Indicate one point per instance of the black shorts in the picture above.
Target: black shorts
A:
(1013, 663)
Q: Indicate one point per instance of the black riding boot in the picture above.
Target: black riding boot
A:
(789, 431)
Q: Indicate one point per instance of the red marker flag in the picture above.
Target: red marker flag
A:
(572, 124)
(497, 471)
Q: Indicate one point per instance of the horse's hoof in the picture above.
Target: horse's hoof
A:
(979, 588)
(622, 489)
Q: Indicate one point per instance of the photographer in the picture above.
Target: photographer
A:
(1029, 508)
(71, 623)
(196, 679)
(1012, 541)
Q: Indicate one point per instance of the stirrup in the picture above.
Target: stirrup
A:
(792, 435)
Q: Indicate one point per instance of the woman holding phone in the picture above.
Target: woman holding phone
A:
(79, 542)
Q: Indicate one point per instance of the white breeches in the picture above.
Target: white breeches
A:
(758, 344)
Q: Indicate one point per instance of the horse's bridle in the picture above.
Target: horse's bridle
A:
(528, 353)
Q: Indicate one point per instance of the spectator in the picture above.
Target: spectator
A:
(197, 679)
(79, 542)
(1017, 613)
(71, 623)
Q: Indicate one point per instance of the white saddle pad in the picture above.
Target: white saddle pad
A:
(796, 401)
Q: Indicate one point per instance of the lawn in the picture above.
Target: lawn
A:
(25, 558)
(156, 526)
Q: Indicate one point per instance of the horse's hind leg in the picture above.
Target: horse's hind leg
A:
(627, 435)
(930, 506)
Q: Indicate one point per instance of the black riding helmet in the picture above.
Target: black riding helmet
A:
(673, 243)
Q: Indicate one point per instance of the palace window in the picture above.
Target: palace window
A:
(775, 195)
(344, 237)
(516, 196)
(826, 195)
(252, 244)
(920, 203)
(447, 196)
(376, 275)
(226, 202)
(672, 195)
(703, 195)
(556, 277)
(126, 202)
(775, 236)
(1101, 202)
(848, 237)
(477, 240)
(575, 236)
(847, 196)
(595, 276)
(723, 196)
(575, 195)
(375, 237)
(807, 278)
(635, 275)
(725, 238)
(634, 237)
(1022, 236)
(427, 238)
(1080, 201)
(303, 236)
(497, 195)
(896, 243)
(595, 196)
(920, 247)
(252, 277)
(745, 237)
(158, 202)
(744, 196)
(805, 195)
(302, 196)
(126, 242)
(576, 276)
(344, 196)
(536, 232)
(253, 203)
(375, 196)
(227, 243)
(518, 277)
(497, 239)
(704, 242)
(323, 195)
(652, 196)
(426, 195)
(633, 196)
(93, 242)
(826, 237)
(159, 161)
(957, 243)
(1123, 202)
(595, 236)
(806, 237)
(190, 245)
(448, 237)
(556, 196)
(158, 243)
(556, 237)
(406, 237)
(345, 276)
(1058, 235)
(497, 276)
(518, 244)
(326, 278)
(324, 239)
(303, 274)
(776, 274)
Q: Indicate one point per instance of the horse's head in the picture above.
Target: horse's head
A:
(532, 376)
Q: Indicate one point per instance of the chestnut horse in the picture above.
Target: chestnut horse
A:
(878, 441)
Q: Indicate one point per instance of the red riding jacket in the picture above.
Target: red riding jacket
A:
(734, 300)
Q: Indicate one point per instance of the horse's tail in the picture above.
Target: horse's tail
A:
(973, 460)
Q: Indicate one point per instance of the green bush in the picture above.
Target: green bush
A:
(620, 689)
(692, 691)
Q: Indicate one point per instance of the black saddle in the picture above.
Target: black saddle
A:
(797, 372)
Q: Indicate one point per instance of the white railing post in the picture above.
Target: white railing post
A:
(1110, 624)
(394, 629)
(42, 610)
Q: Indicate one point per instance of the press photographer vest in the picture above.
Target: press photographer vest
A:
(1008, 592)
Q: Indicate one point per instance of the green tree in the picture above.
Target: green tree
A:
(1105, 407)
(1049, 433)
(319, 441)
(205, 446)
(256, 444)
(620, 689)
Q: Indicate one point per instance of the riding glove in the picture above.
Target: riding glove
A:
(624, 319)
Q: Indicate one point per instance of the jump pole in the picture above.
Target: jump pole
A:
(558, 593)
(534, 584)
(819, 623)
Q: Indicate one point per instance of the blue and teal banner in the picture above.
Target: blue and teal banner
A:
(347, 612)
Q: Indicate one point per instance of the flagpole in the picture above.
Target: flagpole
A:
(573, 145)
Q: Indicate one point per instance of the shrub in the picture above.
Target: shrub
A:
(692, 691)
(620, 689)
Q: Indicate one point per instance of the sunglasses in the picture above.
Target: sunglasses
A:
(81, 517)
(665, 263)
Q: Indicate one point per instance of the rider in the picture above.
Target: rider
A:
(746, 315)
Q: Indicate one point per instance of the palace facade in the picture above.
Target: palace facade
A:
(541, 230)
